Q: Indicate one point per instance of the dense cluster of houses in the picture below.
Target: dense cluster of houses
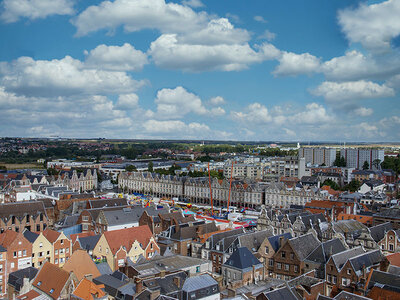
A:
(90, 248)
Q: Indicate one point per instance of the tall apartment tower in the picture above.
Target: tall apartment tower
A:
(318, 155)
(355, 157)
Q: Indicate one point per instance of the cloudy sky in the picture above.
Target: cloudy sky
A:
(316, 70)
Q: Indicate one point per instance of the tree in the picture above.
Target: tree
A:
(150, 166)
(52, 171)
(130, 168)
(376, 163)
(331, 183)
(339, 161)
(353, 186)
(365, 166)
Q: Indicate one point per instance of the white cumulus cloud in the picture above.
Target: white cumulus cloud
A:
(292, 64)
(374, 26)
(352, 90)
(116, 58)
(13, 10)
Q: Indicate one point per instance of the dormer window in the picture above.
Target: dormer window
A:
(39, 283)
(51, 291)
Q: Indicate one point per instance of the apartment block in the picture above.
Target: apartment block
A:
(318, 155)
(356, 157)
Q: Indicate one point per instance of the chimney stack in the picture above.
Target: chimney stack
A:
(177, 281)
(139, 285)
(281, 240)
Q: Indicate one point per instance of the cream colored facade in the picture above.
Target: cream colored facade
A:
(41, 250)
(136, 251)
(102, 250)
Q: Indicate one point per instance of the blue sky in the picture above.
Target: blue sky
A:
(212, 69)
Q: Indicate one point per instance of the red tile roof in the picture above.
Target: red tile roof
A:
(29, 295)
(126, 237)
(87, 290)
(394, 259)
(51, 280)
(81, 264)
(51, 235)
(359, 218)
(8, 237)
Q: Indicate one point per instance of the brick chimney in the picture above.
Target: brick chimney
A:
(281, 240)
(139, 285)
(162, 273)
(177, 281)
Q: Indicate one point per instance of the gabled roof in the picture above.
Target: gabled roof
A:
(394, 259)
(242, 259)
(8, 237)
(73, 237)
(16, 279)
(196, 283)
(280, 294)
(51, 235)
(87, 290)
(20, 209)
(343, 295)
(51, 280)
(31, 295)
(378, 232)
(367, 259)
(275, 240)
(324, 251)
(341, 258)
(303, 245)
(253, 240)
(30, 236)
(81, 264)
(89, 242)
(166, 284)
(384, 280)
(126, 237)
(100, 203)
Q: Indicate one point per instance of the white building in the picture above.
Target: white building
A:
(318, 155)
(356, 157)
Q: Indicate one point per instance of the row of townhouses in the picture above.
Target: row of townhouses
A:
(197, 190)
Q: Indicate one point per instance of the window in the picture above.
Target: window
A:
(56, 252)
(391, 248)
(37, 227)
(296, 269)
(40, 254)
(329, 278)
(292, 256)
(345, 281)
(85, 218)
(62, 242)
(61, 260)
(51, 291)
(48, 252)
(12, 265)
(1, 278)
(286, 267)
(383, 247)
(39, 283)
(283, 254)
(40, 245)
(99, 248)
(266, 249)
(15, 254)
(24, 253)
(67, 250)
(271, 262)
(56, 261)
(279, 266)
(334, 279)
(348, 271)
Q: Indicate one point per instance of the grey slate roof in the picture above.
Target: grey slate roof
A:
(167, 263)
(384, 280)
(282, 293)
(100, 203)
(198, 282)
(242, 259)
(343, 295)
(340, 259)
(378, 232)
(366, 259)
(324, 251)
(166, 284)
(253, 240)
(16, 279)
(274, 240)
(30, 236)
(390, 213)
(394, 270)
(104, 268)
(88, 242)
(304, 245)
